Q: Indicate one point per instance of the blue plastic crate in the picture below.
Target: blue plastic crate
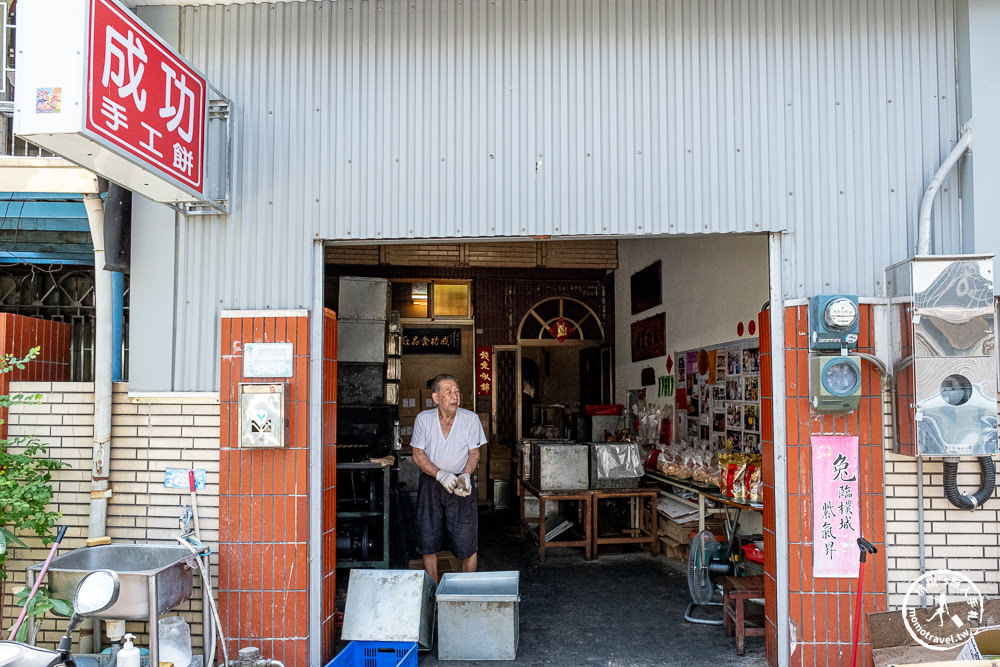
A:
(377, 654)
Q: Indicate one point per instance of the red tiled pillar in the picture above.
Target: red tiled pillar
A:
(18, 334)
(263, 501)
(329, 483)
(821, 610)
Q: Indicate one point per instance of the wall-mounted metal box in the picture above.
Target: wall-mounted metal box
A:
(833, 321)
(943, 326)
(262, 415)
(834, 383)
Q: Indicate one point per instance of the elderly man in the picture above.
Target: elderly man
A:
(446, 442)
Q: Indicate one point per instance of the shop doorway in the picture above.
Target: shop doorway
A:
(565, 326)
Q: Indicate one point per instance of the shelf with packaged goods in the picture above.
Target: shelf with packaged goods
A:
(659, 481)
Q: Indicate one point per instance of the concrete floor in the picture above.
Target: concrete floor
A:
(620, 610)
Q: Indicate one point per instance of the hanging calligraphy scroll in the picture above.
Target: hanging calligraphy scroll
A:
(836, 507)
(484, 371)
(432, 341)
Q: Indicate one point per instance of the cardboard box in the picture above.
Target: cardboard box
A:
(982, 645)
(684, 532)
(500, 469)
(499, 452)
(484, 419)
(893, 645)
(482, 475)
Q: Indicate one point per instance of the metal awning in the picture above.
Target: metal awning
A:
(44, 228)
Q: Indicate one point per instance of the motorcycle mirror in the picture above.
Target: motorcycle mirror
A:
(96, 592)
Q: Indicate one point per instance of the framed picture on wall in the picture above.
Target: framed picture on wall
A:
(646, 289)
(649, 338)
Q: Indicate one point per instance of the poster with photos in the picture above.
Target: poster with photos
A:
(719, 393)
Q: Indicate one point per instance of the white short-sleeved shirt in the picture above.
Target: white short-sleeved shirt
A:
(449, 454)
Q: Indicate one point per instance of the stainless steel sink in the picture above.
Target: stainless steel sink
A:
(146, 572)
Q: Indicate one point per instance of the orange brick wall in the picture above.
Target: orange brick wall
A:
(329, 483)
(263, 588)
(18, 334)
(821, 610)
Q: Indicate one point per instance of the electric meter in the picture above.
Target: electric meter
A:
(840, 314)
(834, 383)
(833, 322)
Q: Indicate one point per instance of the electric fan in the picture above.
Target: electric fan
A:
(707, 561)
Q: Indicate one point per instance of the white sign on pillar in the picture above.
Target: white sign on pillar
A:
(101, 89)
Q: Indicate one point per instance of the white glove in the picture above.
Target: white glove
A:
(464, 487)
(448, 480)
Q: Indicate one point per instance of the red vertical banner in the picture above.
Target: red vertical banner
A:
(484, 371)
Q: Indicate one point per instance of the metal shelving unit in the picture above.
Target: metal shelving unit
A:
(376, 516)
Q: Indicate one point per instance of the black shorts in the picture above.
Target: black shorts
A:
(442, 515)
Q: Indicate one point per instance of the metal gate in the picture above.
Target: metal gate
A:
(62, 294)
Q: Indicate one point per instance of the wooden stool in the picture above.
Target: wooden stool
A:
(735, 592)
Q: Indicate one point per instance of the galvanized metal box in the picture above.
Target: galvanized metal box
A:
(599, 424)
(360, 384)
(560, 466)
(363, 298)
(361, 341)
(615, 465)
(478, 615)
(390, 606)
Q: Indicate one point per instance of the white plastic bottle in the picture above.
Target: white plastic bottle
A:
(129, 655)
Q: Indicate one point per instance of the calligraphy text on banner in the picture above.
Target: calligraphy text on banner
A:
(836, 506)
(432, 341)
(484, 371)
(143, 98)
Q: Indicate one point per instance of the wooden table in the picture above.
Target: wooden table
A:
(638, 499)
(583, 496)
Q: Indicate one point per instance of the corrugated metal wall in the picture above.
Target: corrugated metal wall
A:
(481, 118)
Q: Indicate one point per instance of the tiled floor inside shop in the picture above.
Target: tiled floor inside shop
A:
(622, 609)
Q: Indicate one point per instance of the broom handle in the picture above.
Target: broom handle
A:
(38, 582)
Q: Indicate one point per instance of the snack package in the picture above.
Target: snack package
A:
(737, 491)
(754, 495)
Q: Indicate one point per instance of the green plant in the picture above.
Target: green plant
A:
(25, 481)
(38, 606)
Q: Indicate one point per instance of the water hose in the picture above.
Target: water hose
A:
(206, 581)
(963, 500)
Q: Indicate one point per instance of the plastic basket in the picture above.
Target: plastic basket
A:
(753, 553)
(377, 654)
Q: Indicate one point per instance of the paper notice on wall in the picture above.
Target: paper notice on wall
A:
(836, 506)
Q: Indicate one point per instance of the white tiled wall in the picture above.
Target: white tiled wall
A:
(148, 435)
(955, 539)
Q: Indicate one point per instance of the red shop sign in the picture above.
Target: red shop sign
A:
(484, 371)
(142, 97)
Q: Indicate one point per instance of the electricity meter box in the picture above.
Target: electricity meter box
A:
(834, 383)
(833, 322)
(943, 328)
(262, 415)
